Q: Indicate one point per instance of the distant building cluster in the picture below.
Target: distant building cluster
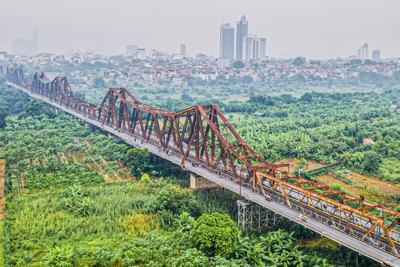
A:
(157, 68)
(363, 53)
(26, 47)
(141, 53)
(248, 47)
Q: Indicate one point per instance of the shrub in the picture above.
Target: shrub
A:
(145, 178)
(335, 187)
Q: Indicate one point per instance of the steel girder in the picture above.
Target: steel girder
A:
(204, 133)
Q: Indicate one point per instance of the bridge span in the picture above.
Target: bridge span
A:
(201, 140)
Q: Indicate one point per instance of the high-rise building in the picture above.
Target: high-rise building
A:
(262, 49)
(33, 44)
(141, 54)
(254, 48)
(376, 55)
(18, 46)
(131, 49)
(227, 41)
(242, 30)
(26, 47)
(362, 53)
(183, 50)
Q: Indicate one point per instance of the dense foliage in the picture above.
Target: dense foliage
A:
(216, 234)
(37, 108)
(62, 210)
(13, 99)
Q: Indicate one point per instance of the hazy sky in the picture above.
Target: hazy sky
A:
(311, 28)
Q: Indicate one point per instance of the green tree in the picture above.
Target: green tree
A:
(215, 234)
(247, 79)
(145, 178)
(38, 107)
(186, 97)
(371, 161)
(238, 64)
(137, 159)
(307, 97)
(99, 82)
(177, 200)
(299, 61)
(4, 112)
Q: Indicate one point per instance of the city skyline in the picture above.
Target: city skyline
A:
(308, 28)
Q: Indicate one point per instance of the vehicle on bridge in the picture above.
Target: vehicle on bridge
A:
(202, 136)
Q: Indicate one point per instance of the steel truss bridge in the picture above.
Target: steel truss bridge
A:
(202, 140)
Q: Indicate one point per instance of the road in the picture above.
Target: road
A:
(324, 229)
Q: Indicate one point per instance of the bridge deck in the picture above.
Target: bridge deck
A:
(286, 211)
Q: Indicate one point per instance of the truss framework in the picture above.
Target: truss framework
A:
(252, 215)
(204, 134)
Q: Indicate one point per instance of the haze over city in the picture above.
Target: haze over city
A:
(200, 133)
(309, 28)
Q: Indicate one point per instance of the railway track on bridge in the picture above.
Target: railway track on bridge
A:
(203, 141)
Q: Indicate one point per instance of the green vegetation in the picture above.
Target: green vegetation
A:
(216, 234)
(12, 98)
(11, 101)
(2, 244)
(36, 108)
(72, 199)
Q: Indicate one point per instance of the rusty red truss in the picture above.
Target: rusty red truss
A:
(16, 76)
(202, 132)
(204, 135)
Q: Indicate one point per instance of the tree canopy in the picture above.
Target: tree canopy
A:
(4, 112)
(238, 64)
(215, 234)
(299, 61)
(137, 159)
(38, 108)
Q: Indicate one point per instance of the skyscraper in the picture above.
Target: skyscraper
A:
(141, 54)
(262, 49)
(376, 55)
(18, 46)
(183, 50)
(26, 47)
(242, 30)
(227, 41)
(362, 53)
(254, 48)
(34, 44)
(131, 49)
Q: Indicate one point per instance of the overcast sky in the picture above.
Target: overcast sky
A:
(311, 28)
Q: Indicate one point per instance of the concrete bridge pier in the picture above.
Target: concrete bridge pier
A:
(198, 182)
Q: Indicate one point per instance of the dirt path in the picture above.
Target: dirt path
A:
(312, 165)
(369, 182)
(376, 190)
(2, 197)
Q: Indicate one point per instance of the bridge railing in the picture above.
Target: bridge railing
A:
(285, 196)
(319, 214)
